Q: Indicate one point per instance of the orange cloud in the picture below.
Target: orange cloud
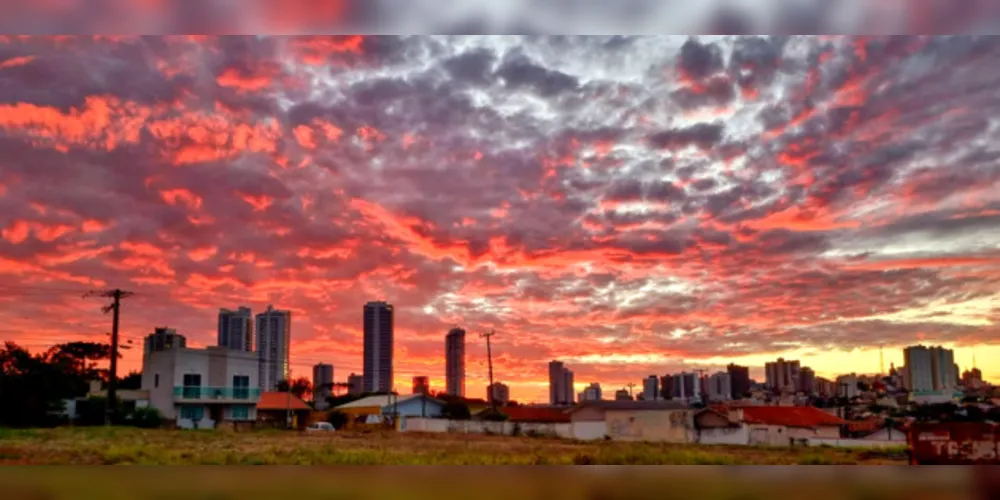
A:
(181, 197)
(16, 61)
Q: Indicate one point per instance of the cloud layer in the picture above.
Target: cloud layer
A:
(628, 204)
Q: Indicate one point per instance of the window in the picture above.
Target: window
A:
(156, 380)
(241, 387)
(193, 413)
(192, 385)
(241, 413)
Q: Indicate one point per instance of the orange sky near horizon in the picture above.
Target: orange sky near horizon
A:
(630, 206)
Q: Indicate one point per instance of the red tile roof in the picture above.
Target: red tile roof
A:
(280, 401)
(536, 414)
(789, 416)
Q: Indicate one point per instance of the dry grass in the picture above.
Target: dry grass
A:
(135, 446)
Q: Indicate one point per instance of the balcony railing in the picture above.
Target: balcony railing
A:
(211, 393)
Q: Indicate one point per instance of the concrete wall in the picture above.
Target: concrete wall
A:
(589, 430)
(725, 435)
(768, 435)
(416, 424)
(158, 379)
(669, 426)
(822, 432)
(854, 443)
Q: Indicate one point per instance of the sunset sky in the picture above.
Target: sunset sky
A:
(628, 205)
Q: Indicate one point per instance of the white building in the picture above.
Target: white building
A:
(651, 388)
(929, 369)
(720, 387)
(274, 331)
(202, 387)
(847, 386)
(236, 329)
(500, 391)
(322, 384)
(591, 393)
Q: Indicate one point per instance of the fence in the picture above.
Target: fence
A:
(561, 430)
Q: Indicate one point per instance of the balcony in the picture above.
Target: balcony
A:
(220, 394)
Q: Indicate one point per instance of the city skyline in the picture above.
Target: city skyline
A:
(627, 205)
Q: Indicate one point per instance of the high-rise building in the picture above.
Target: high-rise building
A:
(944, 371)
(720, 387)
(825, 388)
(161, 339)
(782, 375)
(807, 380)
(622, 395)
(274, 331)
(918, 374)
(591, 393)
(355, 385)
(651, 388)
(421, 385)
(454, 362)
(236, 329)
(499, 391)
(667, 387)
(378, 322)
(560, 384)
(847, 386)
(739, 376)
(322, 384)
(687, 386)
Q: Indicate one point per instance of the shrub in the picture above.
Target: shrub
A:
(337, 419)
(145, 418)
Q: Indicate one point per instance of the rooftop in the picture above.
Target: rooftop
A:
(789, 416)
(280, 401)
(536, 414)
(381, 401)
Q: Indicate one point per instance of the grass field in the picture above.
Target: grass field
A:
(98, 445)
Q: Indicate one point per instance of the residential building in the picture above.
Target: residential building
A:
(560, 384)
(454, 359)
(687, 387)
(421, 385)
(739, 377)
(274, 331)
(825, 388)
(282, 410)
(498, 391)
(236, 329)
(918, 375)
(660, 421)
(651, 388)
(162, 338)
(720, 387)
(973, 378)
(379, 409)
(765, 425)
(847, 386)
(807, 380)
(591, 393)
(322, 384)
(378, 350)
(622, 395)
(944, 371)
(782, 375)
(355, 385)
(666, 387)
(199, 388)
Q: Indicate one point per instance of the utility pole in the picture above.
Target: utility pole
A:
(630, 385)
(117, 295)
(489, 362)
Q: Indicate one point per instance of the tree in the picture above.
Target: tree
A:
(456, 410)
(300, 387)
(132, 381)
(337, 419)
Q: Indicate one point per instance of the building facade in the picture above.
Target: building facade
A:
(847, 386)
(591, 393)
(720, 387)
(199, 388)
(918, 375)
(454, 359)
(807, 380)
(236, 329)
(944, 371)
(500, 392)
(355, 385)
(739, 377)
(651, 388)
(322, 384)
(378, 349)
(622, 395)
(421, 385)
(274, 331)
(782, 375)
(686, 387)
(560, 384)
(162, 338)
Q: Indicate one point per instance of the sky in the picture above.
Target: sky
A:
(628, 205)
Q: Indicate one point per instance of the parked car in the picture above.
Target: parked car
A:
(320, 427)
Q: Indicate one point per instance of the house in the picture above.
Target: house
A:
(273, 410)
(374, 409)
(663, 421)
(199, 388)
(764, 425)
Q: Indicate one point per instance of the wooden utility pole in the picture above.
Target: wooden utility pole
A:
(489, 362)
(115, 307)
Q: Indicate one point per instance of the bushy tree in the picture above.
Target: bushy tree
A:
(299, 387)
